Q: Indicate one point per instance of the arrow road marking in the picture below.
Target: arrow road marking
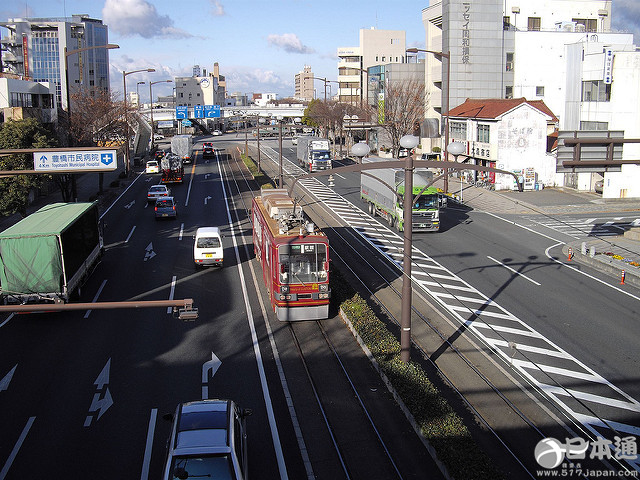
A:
(4, 383)
(149, 253)
(101, 400)
(129, 205)
(210, 366)
(206, 199)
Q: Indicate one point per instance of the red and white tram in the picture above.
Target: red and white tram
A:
(294, 256)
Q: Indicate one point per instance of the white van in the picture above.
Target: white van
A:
(207, 247)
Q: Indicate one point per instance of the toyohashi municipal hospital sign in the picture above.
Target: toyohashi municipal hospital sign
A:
(81, 160)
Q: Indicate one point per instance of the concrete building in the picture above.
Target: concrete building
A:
(377, 47)
(509, 134)
(205, 90)
(304, 84)
(20, 99)
(559, 51)
(34, 48)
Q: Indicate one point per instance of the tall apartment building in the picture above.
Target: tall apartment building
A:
(304, 84)
(377, 47)
(33, 48)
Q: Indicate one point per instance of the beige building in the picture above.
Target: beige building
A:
(204, 90)
(304, 84)
(377, 47)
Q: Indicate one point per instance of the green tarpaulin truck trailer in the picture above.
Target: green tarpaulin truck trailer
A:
(47, 256)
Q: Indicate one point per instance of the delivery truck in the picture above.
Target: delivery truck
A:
(182, 146)
(313, 153)
(47, 256)
(376, 189)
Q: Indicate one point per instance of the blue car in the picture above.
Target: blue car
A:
(165, 208)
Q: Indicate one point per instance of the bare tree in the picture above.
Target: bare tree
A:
(403, 110)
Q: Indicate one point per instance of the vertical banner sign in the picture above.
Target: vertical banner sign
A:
(25, 55)
(466, 39)
(380, 108)
(608, 66)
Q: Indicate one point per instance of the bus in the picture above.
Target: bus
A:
(294, 256)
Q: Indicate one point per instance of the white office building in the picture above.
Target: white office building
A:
(377, 47)
(560, 51)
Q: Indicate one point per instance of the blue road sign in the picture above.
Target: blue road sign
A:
(182, 112)
(212, 111)
(186, 123)
(198, 111)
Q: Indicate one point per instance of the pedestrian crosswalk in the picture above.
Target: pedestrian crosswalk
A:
(577, 227)
(570, 384)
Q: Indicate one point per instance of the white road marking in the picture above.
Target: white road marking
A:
(95, 298)
(7, 320)
(16, 448)
(130, 233)
(173, 289)
(512, 270)
(149, 445)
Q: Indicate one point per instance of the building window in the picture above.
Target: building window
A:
(508, 91)
(596, 91)
(377, 58)
(458, 130)
(506, 23)
(594, 125)
(540, 91)
(533, 24)
(590, 24)
(384, 59)
(483, 133)
(509, 63)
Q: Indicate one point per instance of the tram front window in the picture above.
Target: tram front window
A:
(305, 263)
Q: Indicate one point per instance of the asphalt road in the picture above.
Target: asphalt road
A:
(83, 393)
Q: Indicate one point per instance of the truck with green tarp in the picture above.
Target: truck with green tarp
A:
(47, 256)
(383, 190)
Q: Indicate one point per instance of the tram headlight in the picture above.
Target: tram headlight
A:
(284, 289)
(323, 287)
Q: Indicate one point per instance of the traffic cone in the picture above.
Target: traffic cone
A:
(570, 254)
(622, 278)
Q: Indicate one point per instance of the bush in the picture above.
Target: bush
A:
(438, 422)
(262, 179)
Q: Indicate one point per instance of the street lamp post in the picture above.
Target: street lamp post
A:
(138, 93)
(280, 180)
(445, 114)
(151, 107)
(127, 161)
(455, 149)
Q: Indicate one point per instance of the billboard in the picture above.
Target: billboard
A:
(98, 160)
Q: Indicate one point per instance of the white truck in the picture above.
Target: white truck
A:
(182, 146)
(314, 153)
(381, 200)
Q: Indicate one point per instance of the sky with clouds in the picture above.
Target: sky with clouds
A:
(259, 44)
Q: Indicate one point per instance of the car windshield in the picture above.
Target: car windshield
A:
(208, 242)
(303, 263)
(219, 467)
(426, 201)
(152, 164)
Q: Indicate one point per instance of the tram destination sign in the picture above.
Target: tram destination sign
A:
(52, 161)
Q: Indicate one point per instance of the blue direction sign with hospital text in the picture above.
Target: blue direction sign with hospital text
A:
(212, 111)
(54, 161)
(182, 112)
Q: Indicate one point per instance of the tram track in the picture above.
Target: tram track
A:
(338, 399)
(381, 277)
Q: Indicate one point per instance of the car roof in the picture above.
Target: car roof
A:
(202, 426)
(203, 231)
(156, 187)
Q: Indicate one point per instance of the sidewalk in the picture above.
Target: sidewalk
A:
(610, 255)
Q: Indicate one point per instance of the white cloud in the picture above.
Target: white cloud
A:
(256, 80)
(217, 9)
(289, 42)
(138, 17)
